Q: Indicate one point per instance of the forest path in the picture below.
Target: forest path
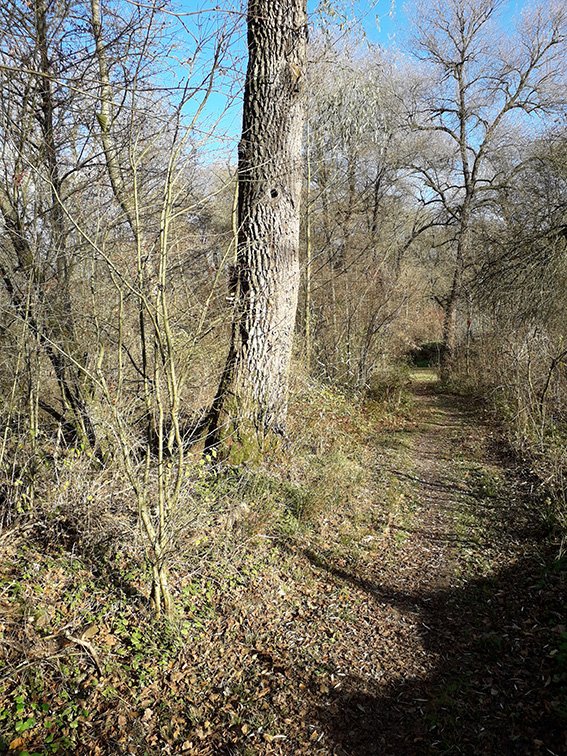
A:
(465, 617)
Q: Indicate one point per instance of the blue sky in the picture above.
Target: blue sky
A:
(385, 22)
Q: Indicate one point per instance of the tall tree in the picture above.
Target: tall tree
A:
(38, 261)
(251, 402)
(478, 79)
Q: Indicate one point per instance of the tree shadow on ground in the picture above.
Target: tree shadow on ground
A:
(65, 540)
(497, 687)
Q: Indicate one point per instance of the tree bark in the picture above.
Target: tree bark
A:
(251, 403)
(451, 307)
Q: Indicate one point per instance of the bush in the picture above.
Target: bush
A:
(526, 386)
(390, 385)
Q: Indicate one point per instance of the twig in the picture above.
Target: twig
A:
(88, 647)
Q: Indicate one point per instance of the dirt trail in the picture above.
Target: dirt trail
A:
(465, 616)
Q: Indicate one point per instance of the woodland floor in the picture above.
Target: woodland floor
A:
(429, 622)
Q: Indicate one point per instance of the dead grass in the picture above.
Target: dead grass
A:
(84, 666)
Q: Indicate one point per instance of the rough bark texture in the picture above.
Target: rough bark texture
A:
(252, 399)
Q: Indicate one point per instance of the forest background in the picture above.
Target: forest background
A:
(431, 231)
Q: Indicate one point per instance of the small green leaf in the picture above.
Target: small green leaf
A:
(26, 724)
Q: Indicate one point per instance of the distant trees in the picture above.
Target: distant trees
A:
(477, 80)
(251, 401)
(362, 217)
(525, 246)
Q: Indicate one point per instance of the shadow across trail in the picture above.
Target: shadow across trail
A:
(484, 670)
(494, 686)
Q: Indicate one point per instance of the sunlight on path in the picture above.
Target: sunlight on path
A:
(424, 375)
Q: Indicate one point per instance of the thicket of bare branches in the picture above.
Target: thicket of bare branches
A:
(433, 210)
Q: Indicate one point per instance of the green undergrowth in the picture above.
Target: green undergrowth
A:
(86, 668)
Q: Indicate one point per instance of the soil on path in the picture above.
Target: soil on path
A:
(461, 614)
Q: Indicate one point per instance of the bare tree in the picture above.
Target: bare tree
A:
(477, 79)
(362, 220)
(39, 260)
(96, 164)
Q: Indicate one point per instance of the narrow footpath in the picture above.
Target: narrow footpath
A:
(464, 607)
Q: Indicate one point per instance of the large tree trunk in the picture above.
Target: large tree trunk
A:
(251, 402)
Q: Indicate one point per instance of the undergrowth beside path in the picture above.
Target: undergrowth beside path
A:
(420, 610)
